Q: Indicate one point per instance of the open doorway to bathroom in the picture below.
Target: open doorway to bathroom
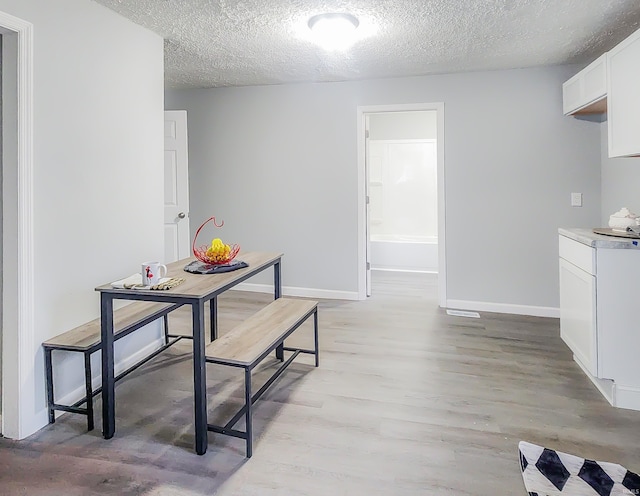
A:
(403, 193)
(403, 175)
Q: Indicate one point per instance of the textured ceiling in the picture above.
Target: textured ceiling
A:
(211, 43)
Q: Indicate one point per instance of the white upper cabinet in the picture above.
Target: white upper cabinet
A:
(624, 98)
(586, 92)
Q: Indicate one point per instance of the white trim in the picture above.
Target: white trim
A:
(414, 271)
(463, 313)
(326, 294)
(482, 306)
(362, 236)
(406, 141)
(618, 395)
(626, 397)
(22, 396)
(606, 386)
(362, 207)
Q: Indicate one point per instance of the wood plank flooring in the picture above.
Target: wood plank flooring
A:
(407, 401)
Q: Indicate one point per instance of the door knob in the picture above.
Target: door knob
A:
(182, 215)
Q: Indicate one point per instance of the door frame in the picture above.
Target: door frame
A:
(362, 112)
(19, 348)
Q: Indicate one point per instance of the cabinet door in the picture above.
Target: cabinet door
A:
(572, 95)
(578, 314)
(594, 80)
(585, 93)
(624, 98)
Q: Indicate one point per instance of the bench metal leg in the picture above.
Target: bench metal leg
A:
(315, 336)
(248, 401)
(88, 389)
(166, 328)
(49, 371)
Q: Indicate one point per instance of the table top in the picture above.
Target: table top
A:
(202, 285)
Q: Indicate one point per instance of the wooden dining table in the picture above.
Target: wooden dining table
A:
(196, 291)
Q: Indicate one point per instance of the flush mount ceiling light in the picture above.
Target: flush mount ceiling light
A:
(334, 31)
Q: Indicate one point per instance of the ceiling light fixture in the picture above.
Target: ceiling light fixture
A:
(334, 31)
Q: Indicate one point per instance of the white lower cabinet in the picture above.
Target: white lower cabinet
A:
(599, 296)
(578, 314)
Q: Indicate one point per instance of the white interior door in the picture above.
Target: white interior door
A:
(176, 187)
(368, 202)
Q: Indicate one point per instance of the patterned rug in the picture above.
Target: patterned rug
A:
(549, 473)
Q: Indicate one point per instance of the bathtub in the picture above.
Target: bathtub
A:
(404, 253)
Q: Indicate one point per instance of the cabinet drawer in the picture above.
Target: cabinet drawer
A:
(578, 254)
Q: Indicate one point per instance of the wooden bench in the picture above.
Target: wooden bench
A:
(250, 342)
(86, 339)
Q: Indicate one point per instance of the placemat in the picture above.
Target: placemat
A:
(135, 282)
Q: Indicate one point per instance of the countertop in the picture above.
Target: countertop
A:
(589, 238)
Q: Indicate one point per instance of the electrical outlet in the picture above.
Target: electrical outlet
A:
(576, 199)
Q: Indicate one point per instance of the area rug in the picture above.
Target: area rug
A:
(547, 472)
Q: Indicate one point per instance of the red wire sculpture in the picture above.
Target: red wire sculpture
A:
(201, 252)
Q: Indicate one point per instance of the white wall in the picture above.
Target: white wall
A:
(98, 181)
(279, 165)
(620, 181)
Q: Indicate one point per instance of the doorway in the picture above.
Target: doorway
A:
(1, 222)
(176, 187)
(401, 192)
(18, 317)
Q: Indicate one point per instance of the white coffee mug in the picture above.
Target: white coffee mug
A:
(152, 272)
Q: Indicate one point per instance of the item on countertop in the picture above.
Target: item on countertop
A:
(197, 267)
(622, 219)
(218, 252)
(607, 231)
(152, 272)
(135, 282)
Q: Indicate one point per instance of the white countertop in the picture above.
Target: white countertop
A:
(589, 238)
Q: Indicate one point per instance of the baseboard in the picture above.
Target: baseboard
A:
(481, 306)
(78, 393)
(326, 294)
(618, 395)
(606, 386)
(420, 271)
(626, 397)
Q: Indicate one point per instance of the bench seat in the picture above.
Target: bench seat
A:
(87, 339)
(87, 336)
(247, 344)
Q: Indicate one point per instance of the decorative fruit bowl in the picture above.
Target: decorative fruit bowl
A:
(217, 253)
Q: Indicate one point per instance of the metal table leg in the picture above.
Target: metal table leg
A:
(213, 309)
(108, 384)
(277, 281)
(199, 378)
(277, 293)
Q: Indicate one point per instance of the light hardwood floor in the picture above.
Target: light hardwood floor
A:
(407, 401)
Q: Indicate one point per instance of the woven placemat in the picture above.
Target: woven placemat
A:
(171, 283)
